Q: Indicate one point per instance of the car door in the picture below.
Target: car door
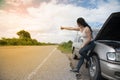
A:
(79, 42)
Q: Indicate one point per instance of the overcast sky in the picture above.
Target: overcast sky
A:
(43, 18)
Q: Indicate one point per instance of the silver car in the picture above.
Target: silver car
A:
(105, 57)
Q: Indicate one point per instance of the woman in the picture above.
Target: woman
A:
(88, 44)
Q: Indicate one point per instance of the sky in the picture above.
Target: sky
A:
(43, 18)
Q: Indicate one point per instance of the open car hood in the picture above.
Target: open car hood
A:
(110, 29)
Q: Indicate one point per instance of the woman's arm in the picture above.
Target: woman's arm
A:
(70, 28)
(89, 37)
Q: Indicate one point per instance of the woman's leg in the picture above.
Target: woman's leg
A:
(83, 52)
(81, 61)
(78, 65)
(85, 56)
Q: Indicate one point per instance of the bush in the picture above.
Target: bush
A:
(2, 42)
(66, 47)
(15, 41)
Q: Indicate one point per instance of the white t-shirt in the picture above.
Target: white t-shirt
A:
(83, 36)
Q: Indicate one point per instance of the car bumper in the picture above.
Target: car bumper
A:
(109, 70)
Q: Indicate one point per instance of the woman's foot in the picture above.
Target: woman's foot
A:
(78, 76)
(75, 70)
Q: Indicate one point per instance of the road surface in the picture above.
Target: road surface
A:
(34, 63)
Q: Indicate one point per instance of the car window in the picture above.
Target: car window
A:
(76, 37)
(75, 40)
(95, 32)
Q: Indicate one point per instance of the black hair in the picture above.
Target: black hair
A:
(81, 21)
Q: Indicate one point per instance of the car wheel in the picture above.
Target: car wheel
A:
(94, 68)
(74, 56)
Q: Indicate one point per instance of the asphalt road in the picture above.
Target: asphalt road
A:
(34, 63)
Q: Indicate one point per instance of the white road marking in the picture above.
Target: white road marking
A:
(40, 65)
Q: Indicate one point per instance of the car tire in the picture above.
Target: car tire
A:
(94, 68)
(74, 56)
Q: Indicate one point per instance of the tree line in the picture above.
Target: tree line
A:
(24, 39)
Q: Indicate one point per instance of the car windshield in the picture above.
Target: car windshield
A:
(95, 32)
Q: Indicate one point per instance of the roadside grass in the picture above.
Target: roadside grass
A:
(65, 47)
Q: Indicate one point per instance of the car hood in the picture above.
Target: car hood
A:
(110, 29)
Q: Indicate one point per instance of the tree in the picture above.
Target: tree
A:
(70, 42)
(2, 2)
(2, 42)
(24, 34)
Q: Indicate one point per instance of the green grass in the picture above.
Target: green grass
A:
(65, 47)
(65, 50)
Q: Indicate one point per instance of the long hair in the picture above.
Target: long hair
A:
(81, 21)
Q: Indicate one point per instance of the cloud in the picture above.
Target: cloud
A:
(26, 2)
(44, 21)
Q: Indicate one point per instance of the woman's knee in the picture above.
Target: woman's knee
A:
(82, 50)
(83, 53)
(81, 58)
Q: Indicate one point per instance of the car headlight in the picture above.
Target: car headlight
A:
(113, 56)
